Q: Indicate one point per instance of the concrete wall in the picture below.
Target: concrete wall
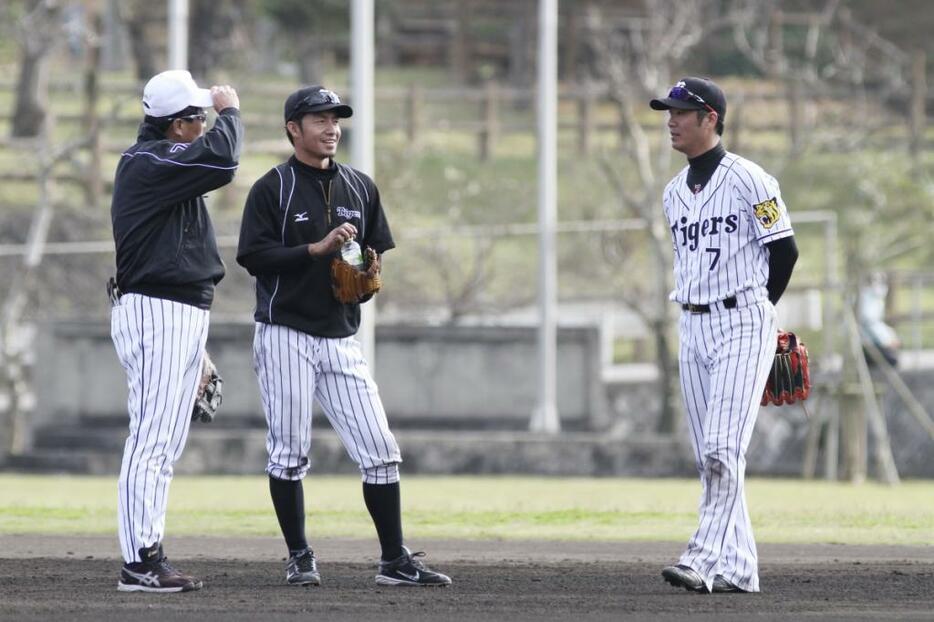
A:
(481, 377)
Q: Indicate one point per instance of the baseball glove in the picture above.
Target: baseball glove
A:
(351, 285)
(210, 392)
(789, 379)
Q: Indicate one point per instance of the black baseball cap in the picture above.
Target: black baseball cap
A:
(694, 94)
(314, 99)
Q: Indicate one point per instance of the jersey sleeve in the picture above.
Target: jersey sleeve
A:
(763, 205)
(377, 235)
(181, 171)
(260, 249)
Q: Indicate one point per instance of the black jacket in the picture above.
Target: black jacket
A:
(290, 207)
(165, 241)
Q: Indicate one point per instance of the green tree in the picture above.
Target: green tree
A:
(310, 27)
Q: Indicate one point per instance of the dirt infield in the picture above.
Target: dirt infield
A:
(45, 578)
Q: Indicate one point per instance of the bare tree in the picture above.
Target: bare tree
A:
(837, 52)
(305, 23)
(212, 35)
(635, 58)
(137, 15)
(37, 33)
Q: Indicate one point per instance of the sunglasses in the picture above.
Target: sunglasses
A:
(323, 96)
(192, 117)
(681, 93)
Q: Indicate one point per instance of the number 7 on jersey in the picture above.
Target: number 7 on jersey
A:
(716, 256)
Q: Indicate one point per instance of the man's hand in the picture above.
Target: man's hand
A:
(333, 240)
(224, 97)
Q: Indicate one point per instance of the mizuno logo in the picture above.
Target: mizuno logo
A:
(178, 147)
(412, 577)
(301, 217)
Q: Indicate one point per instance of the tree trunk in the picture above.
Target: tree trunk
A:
(202, 18)
(140, 42)
(309, 59)
(521, 32)
(210, 33)
(29, 112)
(38, 32)
(667, 379)
(93, 184)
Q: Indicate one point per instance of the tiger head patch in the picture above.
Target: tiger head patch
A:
(767, 212)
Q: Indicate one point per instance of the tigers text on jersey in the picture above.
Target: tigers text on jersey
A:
(719, 233)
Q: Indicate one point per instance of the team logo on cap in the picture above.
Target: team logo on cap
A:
(329, 97)
(767, 212)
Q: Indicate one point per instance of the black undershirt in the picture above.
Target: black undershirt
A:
(701, 168)
(783, 254)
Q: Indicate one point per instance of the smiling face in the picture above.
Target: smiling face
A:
(315, 137)
(691, 135)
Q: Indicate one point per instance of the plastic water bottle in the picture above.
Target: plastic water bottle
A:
(351, 253)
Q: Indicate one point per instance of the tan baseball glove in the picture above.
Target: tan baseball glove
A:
(351, 285)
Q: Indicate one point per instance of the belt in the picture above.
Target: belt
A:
(728, 303)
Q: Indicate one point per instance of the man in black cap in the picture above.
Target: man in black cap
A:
(734, 253)
(298, 218)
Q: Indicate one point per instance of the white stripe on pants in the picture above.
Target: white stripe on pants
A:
(160, 344)
(294, 368)
(725, 358)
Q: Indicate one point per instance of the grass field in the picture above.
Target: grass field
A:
(489, 508)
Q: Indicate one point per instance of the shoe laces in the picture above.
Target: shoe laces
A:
(304, 562)
(164, 565)
(417, 563)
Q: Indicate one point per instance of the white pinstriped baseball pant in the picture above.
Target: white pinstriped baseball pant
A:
(724, 360)
(293, 369)
(160, 344)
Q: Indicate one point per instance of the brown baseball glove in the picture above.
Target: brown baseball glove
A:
(789, 379)
(351, 285)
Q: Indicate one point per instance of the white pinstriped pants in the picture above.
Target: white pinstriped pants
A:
(160, 345)
(293, 369)
(725, 358)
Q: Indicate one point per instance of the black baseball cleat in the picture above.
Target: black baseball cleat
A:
(407, 570)
(154, 574)
(722, 585)
(302, 569)
(684, 576)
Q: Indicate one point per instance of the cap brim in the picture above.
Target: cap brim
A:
(341, 110)
(202, 99)
(669, 103)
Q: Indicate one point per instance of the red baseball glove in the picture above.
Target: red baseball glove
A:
(789, 379)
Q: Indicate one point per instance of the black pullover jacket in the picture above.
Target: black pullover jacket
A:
(288, 208)
(166, 247)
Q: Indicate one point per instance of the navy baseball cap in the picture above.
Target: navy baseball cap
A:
(315, 99)
(694, 94)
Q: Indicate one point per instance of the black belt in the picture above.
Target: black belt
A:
(728, 303)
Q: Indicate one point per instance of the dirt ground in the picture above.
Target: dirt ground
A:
(75, 579)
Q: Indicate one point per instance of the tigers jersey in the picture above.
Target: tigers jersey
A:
(719, 233)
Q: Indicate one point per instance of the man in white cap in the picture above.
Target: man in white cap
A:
(167, 268)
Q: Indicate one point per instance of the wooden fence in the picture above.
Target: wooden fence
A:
(792, 117)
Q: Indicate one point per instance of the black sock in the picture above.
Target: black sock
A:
(288, 498)
(382, 501)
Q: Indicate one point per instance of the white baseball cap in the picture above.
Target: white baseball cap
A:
(173, 91)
